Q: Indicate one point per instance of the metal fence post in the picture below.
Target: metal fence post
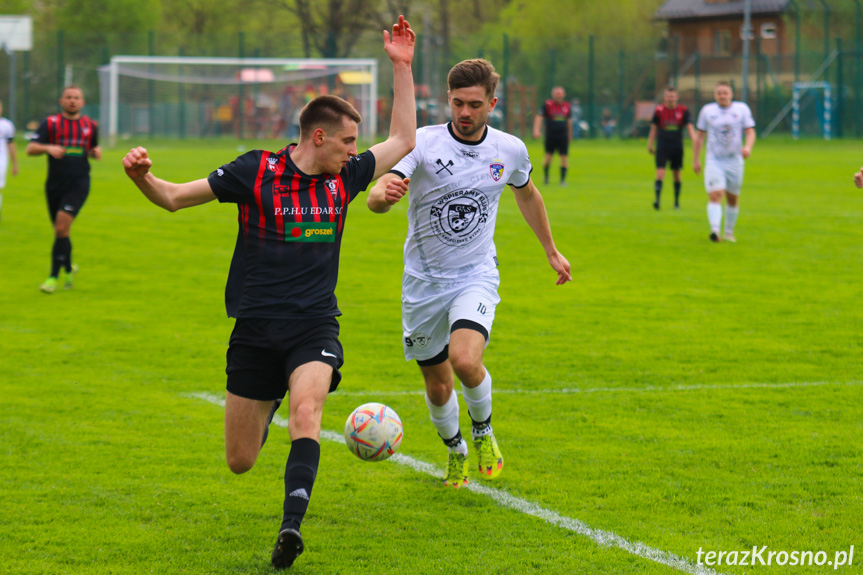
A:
(590, 87)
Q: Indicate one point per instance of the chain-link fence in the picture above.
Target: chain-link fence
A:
(612, 82)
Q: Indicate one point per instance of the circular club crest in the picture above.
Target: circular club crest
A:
(458, 217)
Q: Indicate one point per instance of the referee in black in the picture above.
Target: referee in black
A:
(292, 205)
(668, 122)
(69, 139)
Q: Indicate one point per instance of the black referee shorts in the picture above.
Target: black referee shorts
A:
(264, 352)
(666, 154)
(557, 143)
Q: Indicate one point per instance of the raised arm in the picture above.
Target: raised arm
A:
(164, 194)
(403, 124)
(532, 207)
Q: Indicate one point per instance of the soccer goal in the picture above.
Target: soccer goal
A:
(807, 109)
(188, 97)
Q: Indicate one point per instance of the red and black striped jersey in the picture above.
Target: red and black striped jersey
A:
(286, 259)
(670, 123)
(78, 136)
(557, 115)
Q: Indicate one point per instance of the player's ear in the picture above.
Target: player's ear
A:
(318, 136)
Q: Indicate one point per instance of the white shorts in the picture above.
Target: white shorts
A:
(726, 174)
(429, 309)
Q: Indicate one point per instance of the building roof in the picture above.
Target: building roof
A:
(693, 9)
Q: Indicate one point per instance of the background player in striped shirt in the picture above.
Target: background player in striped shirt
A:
(556, 115)
(668, 122)
(7, 152)
(292, 206)
(69, 139)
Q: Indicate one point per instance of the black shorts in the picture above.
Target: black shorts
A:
(666, 154)
(557, 143)
(69, 199)
(264, 352)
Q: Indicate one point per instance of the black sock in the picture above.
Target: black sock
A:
(545, 171)
(300, 473)
(61, 256)
(657, 187)
(562, 174)
(454, 440)
(677, 193)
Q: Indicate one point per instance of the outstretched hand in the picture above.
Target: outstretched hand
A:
(561, 266)
(136, 163)
(400, 48)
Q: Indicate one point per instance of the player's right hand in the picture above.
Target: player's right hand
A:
(650, 150)
(858, 178)
(136, 163)
(696, 167)
(56, 151)
(395, 190)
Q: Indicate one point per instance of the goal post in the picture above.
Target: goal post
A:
(799, 102)
(194, 97)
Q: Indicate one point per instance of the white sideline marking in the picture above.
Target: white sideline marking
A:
(598, 536)
(646, 388)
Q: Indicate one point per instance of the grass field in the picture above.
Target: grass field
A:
(678, 395)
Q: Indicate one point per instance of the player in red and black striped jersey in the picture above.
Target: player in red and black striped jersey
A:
(669, 120)
(292, 206)
(556, 115)
(69, 139)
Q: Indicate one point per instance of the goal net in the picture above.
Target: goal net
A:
(186, 97)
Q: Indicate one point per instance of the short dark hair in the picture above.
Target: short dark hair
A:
(724, 83)
(72, 87)
(326, 112)
(670, 89)
(470, 73)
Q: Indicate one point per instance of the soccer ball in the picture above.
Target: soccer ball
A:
(373, 432)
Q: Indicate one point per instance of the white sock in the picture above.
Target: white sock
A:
(445, 417)
(714, 215)
(478, 399)
(731, 218)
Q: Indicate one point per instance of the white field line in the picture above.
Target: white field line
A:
(643, 389)
(598, 536)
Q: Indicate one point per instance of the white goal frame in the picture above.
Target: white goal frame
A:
(368, 128)
(799, 90)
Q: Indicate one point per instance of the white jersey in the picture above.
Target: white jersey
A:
(725, 128)
(455, 190)
(7, 136)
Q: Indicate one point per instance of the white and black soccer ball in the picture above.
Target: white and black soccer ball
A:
(373, 432)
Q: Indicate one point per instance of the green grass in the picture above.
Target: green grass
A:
(654, 403)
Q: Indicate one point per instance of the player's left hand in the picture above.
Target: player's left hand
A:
(95, 153)
(858, 178)
(561, 266)
(746, 153)
(400, 48)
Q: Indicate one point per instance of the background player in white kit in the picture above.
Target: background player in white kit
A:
(7, 152)
(457, 173)
(725, 122)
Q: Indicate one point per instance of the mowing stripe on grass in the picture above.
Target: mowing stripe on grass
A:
(604, 538)
(574, 390)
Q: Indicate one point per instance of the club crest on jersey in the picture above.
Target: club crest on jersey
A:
(459, 217)
(496, 169)
(332, 186)
(271, 163)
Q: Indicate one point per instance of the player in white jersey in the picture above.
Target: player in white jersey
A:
(7, 152)
(726, 123)
(457, 173)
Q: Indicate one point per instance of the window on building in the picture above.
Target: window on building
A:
(768, 30)
(722, 42)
